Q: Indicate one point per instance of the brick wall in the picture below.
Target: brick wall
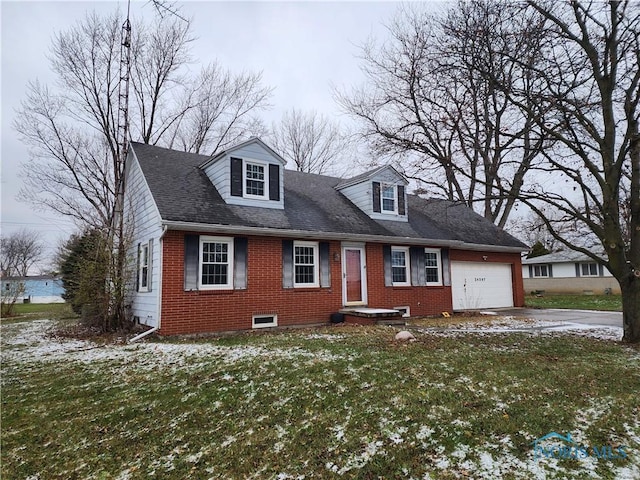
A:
(512, 258)
(210, 310)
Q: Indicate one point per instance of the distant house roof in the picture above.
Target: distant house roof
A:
(567, 256)
(34, 278)
(187, 199)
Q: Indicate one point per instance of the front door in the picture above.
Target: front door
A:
(354, 278)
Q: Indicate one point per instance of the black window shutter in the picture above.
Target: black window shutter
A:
(138, 268)
(418, 273)
(376, 197)
(236, 177)
(446, 273)
(150, 265)
(274, 182)
(386, 256)
(191, 258)
(600, 270)
(530, 271)
(401, 206)
(550, 271)
(240, 263)
(577, 269)
(325, 265)
(287, 263)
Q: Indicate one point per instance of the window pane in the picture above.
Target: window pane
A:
(388, 198)
(399, 274)
(593, 268)
(397, 258)
(255, 180)
(304, 263)
(432, 275)
(431, 259)
(215, 263)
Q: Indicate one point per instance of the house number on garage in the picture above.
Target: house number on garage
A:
(480, 279)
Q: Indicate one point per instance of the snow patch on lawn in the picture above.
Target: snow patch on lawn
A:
(34, 343)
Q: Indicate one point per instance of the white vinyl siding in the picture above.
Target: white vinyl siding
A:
(145, 224)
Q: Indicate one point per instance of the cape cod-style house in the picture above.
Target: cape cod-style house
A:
(234, 241)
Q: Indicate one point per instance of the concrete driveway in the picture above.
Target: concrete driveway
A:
(561, 316)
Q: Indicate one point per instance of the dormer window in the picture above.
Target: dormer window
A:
(254, 180)
(388, 199)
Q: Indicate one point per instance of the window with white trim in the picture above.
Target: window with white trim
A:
(589, 269)
(400, 266)
(388, 199)
(255, 180)
(305, 264)
(541, 271)
(432, 265)
(143, 267)
(216, 263)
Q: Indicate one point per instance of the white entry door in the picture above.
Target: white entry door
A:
(354, 275)
(477, 285)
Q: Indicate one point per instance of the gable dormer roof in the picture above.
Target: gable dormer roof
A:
(240, 146)
(370, 175)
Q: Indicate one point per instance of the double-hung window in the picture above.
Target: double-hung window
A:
(216, 263)
(255, 180)
(541, 271)
(400, 266)
(143, 267)
(305, 264)
(589, 269)
(432, 264)
(388, 199)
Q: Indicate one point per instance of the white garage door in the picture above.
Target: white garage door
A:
(481, 285)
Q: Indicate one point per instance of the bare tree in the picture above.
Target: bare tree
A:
(311, 141)
(19, 252)
(586, 98)
(425, 107)
(75, 167)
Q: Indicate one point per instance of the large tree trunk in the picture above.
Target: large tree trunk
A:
(630, 287)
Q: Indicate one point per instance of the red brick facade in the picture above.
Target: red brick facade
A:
(214, 310)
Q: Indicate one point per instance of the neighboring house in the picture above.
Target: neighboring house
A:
(567, 272)
(37, 289)
(234, 241)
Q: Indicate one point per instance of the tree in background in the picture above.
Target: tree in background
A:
(72, 130)
(425, 107)
(537, 250)
(310, 141)
(586, 99)
(19, 252)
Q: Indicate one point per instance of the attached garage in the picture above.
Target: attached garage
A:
(477, 285)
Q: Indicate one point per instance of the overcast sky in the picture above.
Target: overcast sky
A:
(302, 48)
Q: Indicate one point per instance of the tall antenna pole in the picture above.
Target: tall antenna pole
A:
(117, 233)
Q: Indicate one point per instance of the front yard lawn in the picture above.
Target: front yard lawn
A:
(578, 302)
(339, 402)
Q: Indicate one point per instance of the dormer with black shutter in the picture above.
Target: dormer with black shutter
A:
(249, 174)
(381, 193)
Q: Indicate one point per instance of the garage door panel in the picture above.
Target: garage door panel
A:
(481, 285)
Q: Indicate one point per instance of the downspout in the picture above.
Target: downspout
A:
(157, 327)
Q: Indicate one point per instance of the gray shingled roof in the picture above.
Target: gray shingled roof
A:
(183, 193)
(567, 256)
